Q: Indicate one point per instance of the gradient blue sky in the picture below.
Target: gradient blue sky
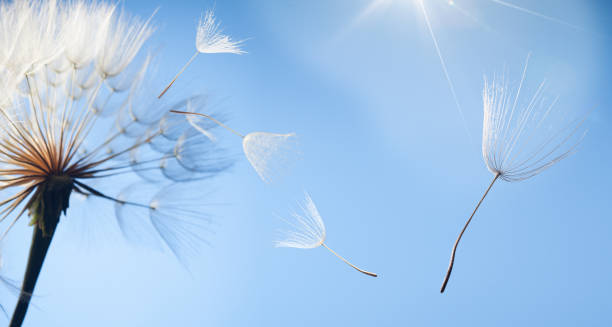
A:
(390, 165)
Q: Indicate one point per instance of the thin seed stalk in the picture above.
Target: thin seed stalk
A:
(209, 117)
(350, 264)
(177, 75)
(452, 259)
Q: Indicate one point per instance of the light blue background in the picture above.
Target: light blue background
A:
(387, 160)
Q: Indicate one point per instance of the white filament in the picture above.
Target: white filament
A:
(520, 138)
(210, 39)
(309, 228)
(269, 153)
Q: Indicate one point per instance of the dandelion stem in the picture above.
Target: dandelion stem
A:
(177, 75)
(38, 251)
(45, 208)
(209, 117)
(452, 259)
(350, 264)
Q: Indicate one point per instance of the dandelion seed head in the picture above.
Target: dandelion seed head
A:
(209, 37)
(87, 27)
(124, 38)
(31, 35)
(76, 120)
(308, 228)
(270, 154)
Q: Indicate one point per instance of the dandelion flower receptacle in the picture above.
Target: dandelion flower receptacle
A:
(57, 139)
(521, 138)
(209, 39)
(270, 154)
(309, 232)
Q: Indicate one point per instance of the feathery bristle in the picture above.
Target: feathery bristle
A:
(210, 39)
(309, 229)
(522, 138)
(71, 67)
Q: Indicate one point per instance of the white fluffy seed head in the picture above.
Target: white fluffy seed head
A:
(210, 39)
(523, 137)
(309, 230)
(55, 118)
(8, 89)
(124, 38)
(31, 35)
(270, 154)
(86, 26)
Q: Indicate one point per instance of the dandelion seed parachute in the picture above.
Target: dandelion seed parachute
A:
(172, 217)
(270, 154)
(209, 39)
(309, 232)
(76, 120)
(521, 138)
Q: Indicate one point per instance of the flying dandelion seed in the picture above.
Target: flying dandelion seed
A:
(374, 4)
(310, 232)
(268, 153)
(209, 39)
(521, 139)
(64, 68)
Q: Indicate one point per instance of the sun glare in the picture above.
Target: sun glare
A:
(420, 5)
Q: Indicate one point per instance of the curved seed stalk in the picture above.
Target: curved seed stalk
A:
(350, 264)
(452, 259)
(233, 131)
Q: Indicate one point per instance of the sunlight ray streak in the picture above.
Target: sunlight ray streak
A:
(472, 17)
(537, 14)
(443, 63)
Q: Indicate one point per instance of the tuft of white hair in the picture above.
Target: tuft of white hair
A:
(125, 37)
(309, 230)
(269, 153)
(520, 139)
(30, 36)
(86, 27)
(210, 39)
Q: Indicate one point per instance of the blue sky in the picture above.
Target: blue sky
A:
(387, 159)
